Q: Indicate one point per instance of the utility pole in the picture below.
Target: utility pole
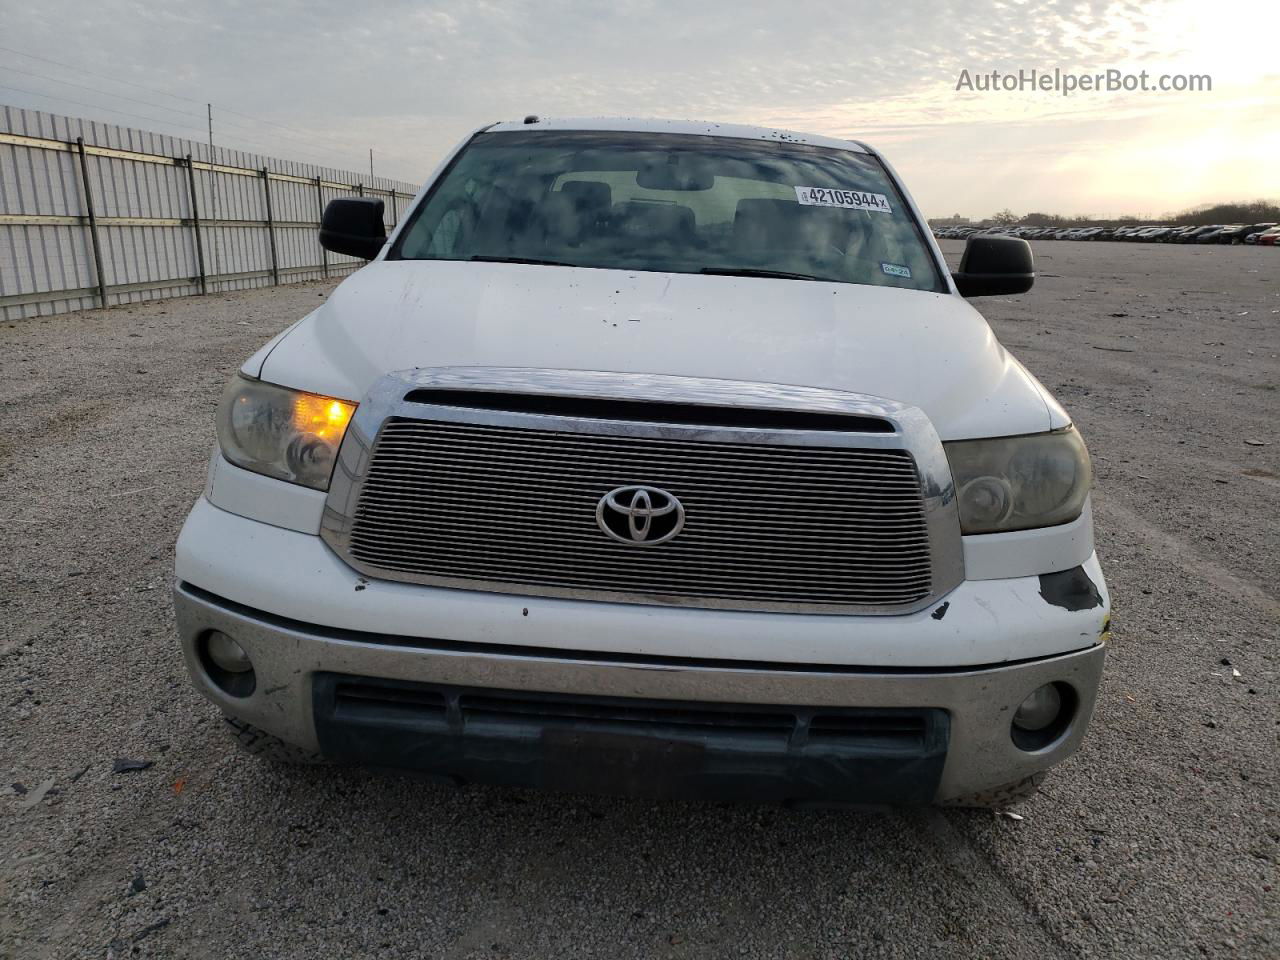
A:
(213, 187)
(371, 164)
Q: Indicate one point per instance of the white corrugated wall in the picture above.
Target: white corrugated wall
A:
(46, 251)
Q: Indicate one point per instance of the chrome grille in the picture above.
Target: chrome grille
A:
(767, 525)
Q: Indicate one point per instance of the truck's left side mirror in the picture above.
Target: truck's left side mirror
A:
(353, 225)
(995, 265)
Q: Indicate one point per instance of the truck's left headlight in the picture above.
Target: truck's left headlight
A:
(1017, 483)
(282, 433)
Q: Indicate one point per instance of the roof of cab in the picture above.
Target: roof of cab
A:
(687, 127)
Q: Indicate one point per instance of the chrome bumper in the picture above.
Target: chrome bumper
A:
(979, 702)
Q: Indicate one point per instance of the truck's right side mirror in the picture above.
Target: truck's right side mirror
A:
(353, 225)
(995, 265)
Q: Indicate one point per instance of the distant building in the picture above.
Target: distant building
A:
(955, 220)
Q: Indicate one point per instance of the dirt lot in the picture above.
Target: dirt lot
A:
(1161, 839)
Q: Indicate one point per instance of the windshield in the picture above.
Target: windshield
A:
(680, 204)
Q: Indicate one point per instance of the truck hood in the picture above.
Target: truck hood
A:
(929, 350)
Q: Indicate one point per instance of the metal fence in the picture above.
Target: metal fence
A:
(93, 214)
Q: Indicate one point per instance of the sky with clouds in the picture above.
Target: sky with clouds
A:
(325, 81)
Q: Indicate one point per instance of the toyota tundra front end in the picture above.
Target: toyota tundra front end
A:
(652, 458)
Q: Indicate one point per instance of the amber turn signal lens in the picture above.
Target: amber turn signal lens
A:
(288, 434)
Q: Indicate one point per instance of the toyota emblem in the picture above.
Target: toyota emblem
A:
(639, 515)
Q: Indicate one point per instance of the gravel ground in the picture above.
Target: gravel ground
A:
(1161, 838)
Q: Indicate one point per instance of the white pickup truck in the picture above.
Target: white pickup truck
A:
(652, 458)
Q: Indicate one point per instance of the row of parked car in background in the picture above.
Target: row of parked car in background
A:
(1260, 234)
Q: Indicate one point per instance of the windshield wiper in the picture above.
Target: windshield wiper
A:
(711, 271)
(754, 272)
(485, 258)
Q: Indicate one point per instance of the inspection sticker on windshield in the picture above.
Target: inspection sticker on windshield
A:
(895, 269)
(849, 199)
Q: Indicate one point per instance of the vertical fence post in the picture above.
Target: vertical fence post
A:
(360, 189)
(395, 215)
(195, 224)
(324, 254)
(93, 223)
(271, 227)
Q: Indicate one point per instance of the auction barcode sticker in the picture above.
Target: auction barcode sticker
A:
(849, 199)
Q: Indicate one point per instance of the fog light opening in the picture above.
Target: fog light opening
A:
(1043, 716)
(1039, 710)
(227, 663)
(226, 653)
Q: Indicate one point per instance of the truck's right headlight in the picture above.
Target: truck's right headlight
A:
(1016, 483)
(283, 433)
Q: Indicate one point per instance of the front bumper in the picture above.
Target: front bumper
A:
(296, 576)
(965, 746)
